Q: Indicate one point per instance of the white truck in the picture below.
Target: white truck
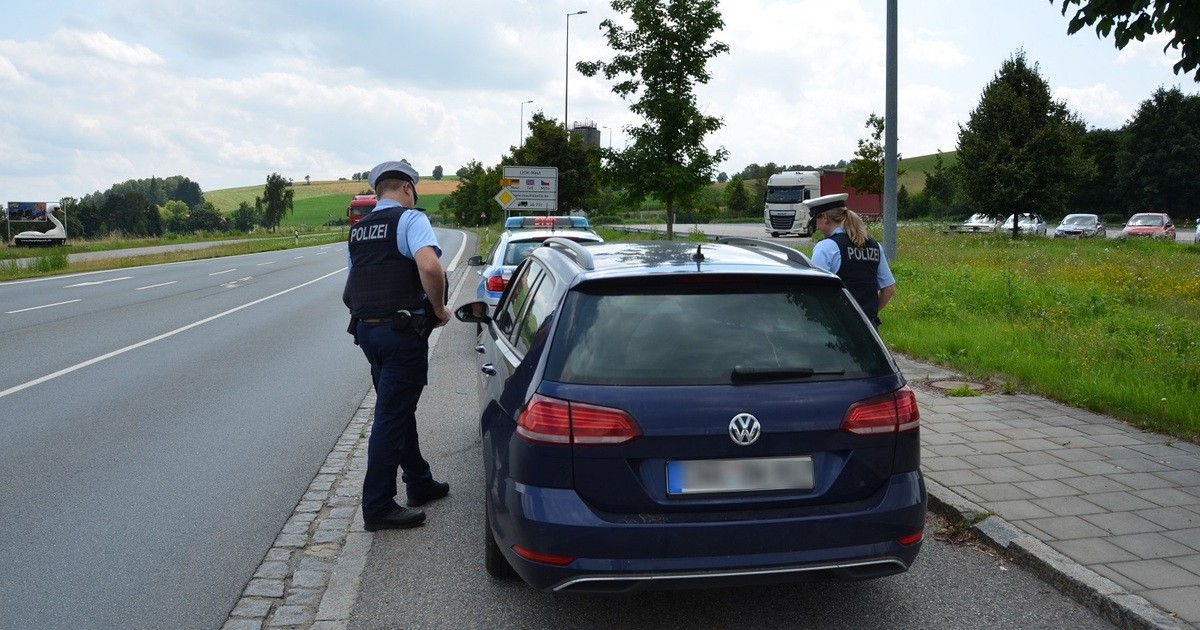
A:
(784, 211)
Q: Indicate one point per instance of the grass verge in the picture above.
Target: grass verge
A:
(56, 263)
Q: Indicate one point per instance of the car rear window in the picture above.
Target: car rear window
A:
(696, 333)
(519, 251)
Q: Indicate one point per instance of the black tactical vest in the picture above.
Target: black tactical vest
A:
(381, 280)
(859, 269)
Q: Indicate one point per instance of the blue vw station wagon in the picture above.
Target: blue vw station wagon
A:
(660, 415)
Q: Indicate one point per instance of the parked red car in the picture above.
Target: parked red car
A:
(1152, 224)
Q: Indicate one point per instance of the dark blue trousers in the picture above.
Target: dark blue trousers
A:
(399, 371)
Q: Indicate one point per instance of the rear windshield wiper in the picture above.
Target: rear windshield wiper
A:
(748, 374)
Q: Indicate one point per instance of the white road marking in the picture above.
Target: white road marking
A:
(93, 361)
(266, 263)
(217, 273)
(34, 308)
(154, 286)
(89, 284)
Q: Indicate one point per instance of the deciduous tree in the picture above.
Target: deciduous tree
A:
(865, 172)
(1020, 150)
(549, 145)
(1128, 20)
(736, 197)
(658, 62)
(1160, 160)
(275, 202)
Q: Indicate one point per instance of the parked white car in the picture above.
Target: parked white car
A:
(980, 222)
(1028, 223)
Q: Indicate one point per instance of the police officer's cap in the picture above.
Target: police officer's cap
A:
(825, 203)
(392, 170)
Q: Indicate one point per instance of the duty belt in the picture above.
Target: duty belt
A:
(401, 321)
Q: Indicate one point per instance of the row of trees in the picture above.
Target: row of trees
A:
(437, 174)
(1023, 151)
(174, 205)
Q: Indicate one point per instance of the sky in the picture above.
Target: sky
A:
(227, 92)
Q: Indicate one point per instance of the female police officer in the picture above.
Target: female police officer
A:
(396, 283)
(848, 251)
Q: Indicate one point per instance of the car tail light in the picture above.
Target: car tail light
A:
(891, 413)
(912, 539)
(553, 421)
(496, 283)
(544, 558)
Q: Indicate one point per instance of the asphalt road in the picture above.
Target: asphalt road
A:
(158, 426)
(433, 576)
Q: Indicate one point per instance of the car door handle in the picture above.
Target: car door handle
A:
(488, 368)
(479, 348)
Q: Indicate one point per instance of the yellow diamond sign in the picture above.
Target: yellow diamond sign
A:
(505, 198)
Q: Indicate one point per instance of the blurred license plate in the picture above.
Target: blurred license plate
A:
(739, 475)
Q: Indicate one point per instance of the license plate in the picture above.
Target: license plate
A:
(707, 476)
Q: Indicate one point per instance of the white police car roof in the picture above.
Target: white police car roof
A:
(546, 223)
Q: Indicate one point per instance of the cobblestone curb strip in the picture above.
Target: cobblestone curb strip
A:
(1099, 594)
(309, 578)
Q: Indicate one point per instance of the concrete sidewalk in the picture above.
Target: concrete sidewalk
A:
(1107, 513)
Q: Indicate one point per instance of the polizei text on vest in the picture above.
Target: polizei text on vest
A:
(369, 232)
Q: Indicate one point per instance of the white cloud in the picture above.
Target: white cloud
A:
(925, 48)
(1099, 104)
(1150, 50)
(104, 46)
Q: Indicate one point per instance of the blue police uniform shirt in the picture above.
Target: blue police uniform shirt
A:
(828, 256)
(417, 232)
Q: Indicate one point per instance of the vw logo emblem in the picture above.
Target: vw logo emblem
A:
(744, 429)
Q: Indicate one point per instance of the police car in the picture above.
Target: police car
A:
(521, 236)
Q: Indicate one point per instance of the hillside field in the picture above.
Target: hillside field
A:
(318, 202)
(321, 201)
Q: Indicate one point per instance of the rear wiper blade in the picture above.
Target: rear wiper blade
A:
(748, 374)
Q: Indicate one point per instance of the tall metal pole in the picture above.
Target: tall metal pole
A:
(889, 139)
(521, 127)
(567, 72)
(609, 136)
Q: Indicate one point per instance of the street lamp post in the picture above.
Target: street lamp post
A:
(609, 135)
(567, 75)
(521, 128)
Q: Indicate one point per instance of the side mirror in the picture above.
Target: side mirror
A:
(475, 261)
(473, 313)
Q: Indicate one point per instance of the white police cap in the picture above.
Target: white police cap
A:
(392, 170)
(826, 202)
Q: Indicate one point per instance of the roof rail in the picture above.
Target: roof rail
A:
(792, 255)
(580, 253)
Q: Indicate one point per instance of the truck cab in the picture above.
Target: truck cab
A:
(784, 212)
(360, 206)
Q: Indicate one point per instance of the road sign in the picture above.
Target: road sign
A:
(528, 188)
(522, 200)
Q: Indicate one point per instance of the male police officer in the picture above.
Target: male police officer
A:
(395, 286)
(848, 251)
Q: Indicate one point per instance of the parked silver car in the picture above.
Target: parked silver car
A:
(1079, 226)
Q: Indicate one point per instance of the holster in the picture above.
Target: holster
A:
(353, 328)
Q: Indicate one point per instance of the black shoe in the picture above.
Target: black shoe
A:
(401, 518)
(432, 492)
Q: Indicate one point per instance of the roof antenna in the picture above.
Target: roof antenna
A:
(699, 255)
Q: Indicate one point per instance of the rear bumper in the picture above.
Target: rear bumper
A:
(652, 553)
